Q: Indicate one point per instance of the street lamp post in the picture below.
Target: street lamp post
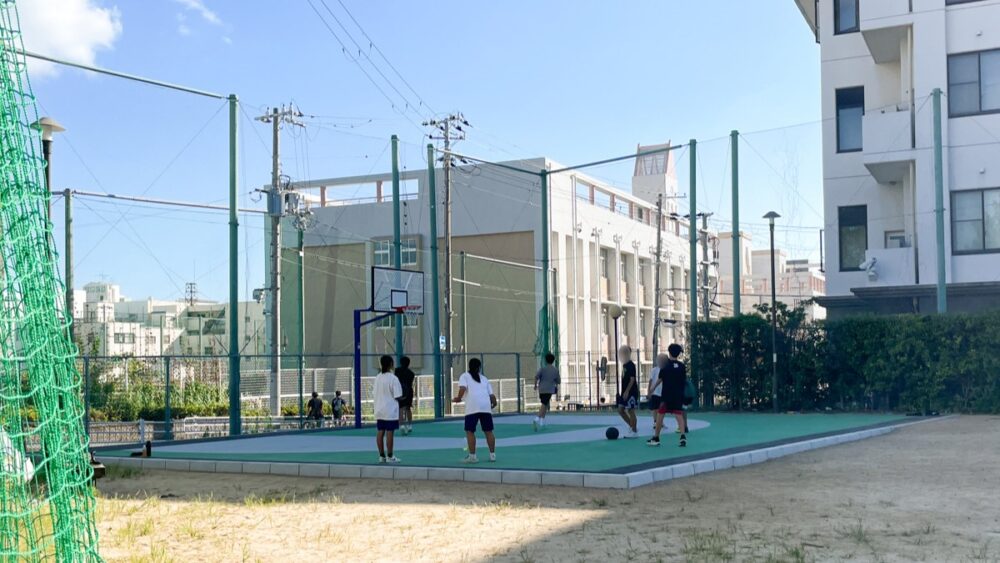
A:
(48, 126)
(616, 312)
(771, 216)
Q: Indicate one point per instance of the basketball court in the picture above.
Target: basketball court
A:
(571, 450)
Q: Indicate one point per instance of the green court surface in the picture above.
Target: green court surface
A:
(568, 443)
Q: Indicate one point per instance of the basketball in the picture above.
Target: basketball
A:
(611, 433)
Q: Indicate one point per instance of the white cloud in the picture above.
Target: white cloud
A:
(69, 29)
(202, 10)
(227, 40)
(183, 29)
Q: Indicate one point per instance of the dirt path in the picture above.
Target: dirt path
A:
(923, 493)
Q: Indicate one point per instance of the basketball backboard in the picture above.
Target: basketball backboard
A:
(394, 290)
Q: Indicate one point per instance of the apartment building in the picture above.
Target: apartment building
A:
(602, 252)
(881, 60)
(799, 282)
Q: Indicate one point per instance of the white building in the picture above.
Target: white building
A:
(799, 282)
(881, 60)
(150, 327)
(603, 248)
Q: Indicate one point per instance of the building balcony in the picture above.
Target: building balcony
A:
(892, 266)
(888, 142)
(884, 25)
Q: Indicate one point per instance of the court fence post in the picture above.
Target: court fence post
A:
(168, 423)
(517, 371)
(86, 396)
(357, 368)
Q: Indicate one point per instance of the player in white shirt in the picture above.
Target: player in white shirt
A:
(387, 391)
(476, 391)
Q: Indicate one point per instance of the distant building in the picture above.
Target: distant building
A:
(122, 327)
(880, 62)
(799, 282)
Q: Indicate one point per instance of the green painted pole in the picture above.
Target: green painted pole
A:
(693, 229)
(235, 418)
(302, 323)
(435, 282)
(734, 139)
(544, 174)
(397, 243)
(942, 293)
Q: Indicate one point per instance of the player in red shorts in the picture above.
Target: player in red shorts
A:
(673, 377)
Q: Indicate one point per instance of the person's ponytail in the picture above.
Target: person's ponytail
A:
(475, 365)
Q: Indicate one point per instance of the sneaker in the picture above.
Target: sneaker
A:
(654, 441)
(493, 456)
(393, 459)
(686, 428)
(381, 459)
(534, 425)
(684, 441)
(471, 458)
(678, 430)
(631, 435)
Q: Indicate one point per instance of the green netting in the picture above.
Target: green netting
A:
(46, 500)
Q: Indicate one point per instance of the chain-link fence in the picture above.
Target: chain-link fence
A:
(132, 399)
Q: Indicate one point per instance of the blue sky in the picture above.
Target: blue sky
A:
(571, 80)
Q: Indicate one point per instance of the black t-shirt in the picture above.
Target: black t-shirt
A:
(406, 377)
(315, 407)
(674, 377)
(338, 404)
(628, 375)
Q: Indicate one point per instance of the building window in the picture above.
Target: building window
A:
(624, 268)
(604, 322)
(150, 340)
(642, 324)
(850, 110)
(604, 263)
(974, 83)
(124, 338)
(643, 267)
(846, 16)
(382, 255)
(895, 239)
(853, 222)
(975, 221)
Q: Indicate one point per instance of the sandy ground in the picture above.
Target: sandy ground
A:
(930, 492)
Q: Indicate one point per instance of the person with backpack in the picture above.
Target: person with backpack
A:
(673, 378)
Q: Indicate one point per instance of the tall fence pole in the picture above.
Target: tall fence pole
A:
(544, 175)
(86, 395)
(234, 276)
(942, 292)
(397, 243)
(168, 421)
(737, 280)
(517, 368)
(300, 289)
(693, 242)
(435, 283)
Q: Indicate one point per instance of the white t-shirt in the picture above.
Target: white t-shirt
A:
(387, 390)
(477, 395)
(655, 373)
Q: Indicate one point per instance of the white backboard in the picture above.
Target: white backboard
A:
(393, 289)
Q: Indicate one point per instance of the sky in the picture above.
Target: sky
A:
(573, 80)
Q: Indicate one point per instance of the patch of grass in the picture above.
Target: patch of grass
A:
(694, 497)
(270, 498)
(710, 546)
(134, 529)
(113, 472)
(524, 557)
(856, 533)
(600, 502)
(982, 553)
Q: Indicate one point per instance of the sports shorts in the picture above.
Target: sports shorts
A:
(654, 402)
(484, 419)
(628, 403)
(387, 425)
(546, 398)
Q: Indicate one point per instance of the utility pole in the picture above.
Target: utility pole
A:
(68, 200)
(449, 129)
(706, 305)
(276, 209)
(656, 276)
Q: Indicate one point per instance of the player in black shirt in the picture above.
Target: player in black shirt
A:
(406, 378)
(674, 378)
(315, 406)
(628, 399)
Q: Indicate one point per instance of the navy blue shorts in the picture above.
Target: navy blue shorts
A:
(654, 402)
(484, 419)
(387, 425)
(545, 398)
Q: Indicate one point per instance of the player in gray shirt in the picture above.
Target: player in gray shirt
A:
(547, 384)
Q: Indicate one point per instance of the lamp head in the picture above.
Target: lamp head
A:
(615, 311)
(48, 126)
(771, 216)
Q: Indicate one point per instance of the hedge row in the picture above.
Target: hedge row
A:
(899, 363)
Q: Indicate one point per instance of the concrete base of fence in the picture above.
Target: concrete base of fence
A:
(482, 474)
